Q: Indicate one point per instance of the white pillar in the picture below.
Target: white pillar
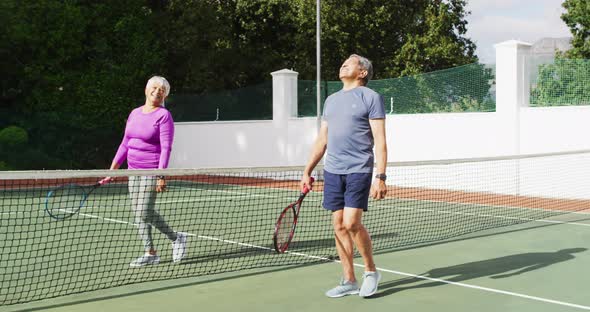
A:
(512, 89)
(512, 93)
(284, 95)
(284, 107)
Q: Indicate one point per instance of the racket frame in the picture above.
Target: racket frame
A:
(294, 208)
(85, 191)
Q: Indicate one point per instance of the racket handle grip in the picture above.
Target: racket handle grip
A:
(305, 188)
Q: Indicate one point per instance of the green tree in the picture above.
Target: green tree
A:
(247, 39)
(214, 45)
(562, 83)
(234, 43)
(577, 18)
(197, 47)
(437, 42)
(394, 34)
(11, 137)
(419, 44)
(79, 67)
(565, 81)
(74, 69)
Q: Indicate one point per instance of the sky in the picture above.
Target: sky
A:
(495, 21)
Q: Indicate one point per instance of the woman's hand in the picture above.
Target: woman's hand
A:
(106, 180)
(160, 185)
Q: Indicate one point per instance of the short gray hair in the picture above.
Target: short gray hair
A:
(365, 65)
(161, 81)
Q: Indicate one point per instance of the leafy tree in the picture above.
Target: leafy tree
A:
(241, 41)
(260, 36)
(429, 37)
(437, 42)
(396, 42)
(13, 136)
(577, 18)
(564, 82)
(458, 89)
(197, 47)
(79, 68)
(74, 69)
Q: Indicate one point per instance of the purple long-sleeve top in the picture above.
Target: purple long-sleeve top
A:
(148, 140)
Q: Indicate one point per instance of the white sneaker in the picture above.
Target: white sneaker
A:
(145, 260)
(179, 247)
(370, 283)
(343, 289)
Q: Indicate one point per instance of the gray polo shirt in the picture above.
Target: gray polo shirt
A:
(350, 139)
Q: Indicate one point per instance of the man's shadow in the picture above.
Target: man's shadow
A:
(502, 267)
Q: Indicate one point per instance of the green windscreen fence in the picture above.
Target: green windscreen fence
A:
(248, 103)
(559, 82)
(468, 88)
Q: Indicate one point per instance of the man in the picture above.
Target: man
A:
(353, 122)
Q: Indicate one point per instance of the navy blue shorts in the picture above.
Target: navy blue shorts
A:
(347, 190)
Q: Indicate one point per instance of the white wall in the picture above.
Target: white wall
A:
(409, 137)
(549, 129)
(443, 136)
(223, 144)
(260, 143)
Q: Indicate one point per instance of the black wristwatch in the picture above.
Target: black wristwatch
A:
(381, 176)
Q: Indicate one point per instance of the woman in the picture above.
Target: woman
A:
(146, 145)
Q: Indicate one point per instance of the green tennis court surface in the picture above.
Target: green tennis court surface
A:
(464, 230)
(539, 266)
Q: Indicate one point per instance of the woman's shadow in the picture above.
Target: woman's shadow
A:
(496, 268)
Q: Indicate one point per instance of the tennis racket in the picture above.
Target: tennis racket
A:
(286, 223)
(66, 200)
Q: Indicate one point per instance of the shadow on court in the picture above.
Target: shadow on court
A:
(156, 289)
(322, 248)
(496, 268)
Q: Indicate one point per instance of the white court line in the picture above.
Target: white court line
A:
(408, 199)
(432, 210)
(383, 206)
(487, 289)
(190, 234)
(246, 194)
(230, 192)
(492, 290)
(563, 222)
(380, 206)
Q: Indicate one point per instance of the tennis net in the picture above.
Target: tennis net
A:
(229, 216)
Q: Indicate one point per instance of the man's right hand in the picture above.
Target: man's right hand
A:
(306, 182)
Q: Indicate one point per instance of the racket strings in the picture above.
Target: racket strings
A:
(65, 200)
(286, 225)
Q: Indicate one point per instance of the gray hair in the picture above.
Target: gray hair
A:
(161, 81)
(365, 65)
